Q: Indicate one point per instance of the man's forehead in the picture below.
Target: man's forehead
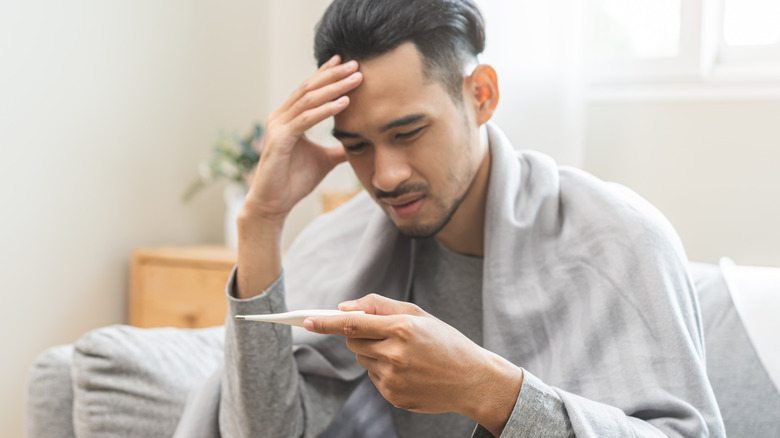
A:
(403, 65)
(394, 88)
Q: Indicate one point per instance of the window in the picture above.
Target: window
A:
(751, 32)
(683, 41)
(751, 22)
(635, 29)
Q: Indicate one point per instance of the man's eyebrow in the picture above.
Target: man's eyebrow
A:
(405, 120)
(343, 134)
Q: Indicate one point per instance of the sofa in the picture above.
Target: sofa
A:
(122, 381)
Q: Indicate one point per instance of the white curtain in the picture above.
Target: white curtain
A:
(536, 48)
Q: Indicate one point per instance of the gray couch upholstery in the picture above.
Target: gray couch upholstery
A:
(122, 381)
(749, 402)
(119, 381)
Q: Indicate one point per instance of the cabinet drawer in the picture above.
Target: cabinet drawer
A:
(178, 296)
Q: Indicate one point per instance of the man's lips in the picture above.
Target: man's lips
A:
(406, 206)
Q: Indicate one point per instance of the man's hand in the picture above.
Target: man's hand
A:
(290, 167)
(421, 364)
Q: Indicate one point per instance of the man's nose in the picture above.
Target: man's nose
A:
(390, 168)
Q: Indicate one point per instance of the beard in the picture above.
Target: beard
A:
(442, 210)
(432, 228)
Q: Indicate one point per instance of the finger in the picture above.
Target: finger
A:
(369, 363)
(334, 60)
(350, 326)
(326, 75)
(319, 96)
(336, 155)
(304, 121)
(370, 348)
(375, 304)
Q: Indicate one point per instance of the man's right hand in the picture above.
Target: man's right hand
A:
(290, 167)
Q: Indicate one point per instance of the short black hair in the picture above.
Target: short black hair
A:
(448, 33)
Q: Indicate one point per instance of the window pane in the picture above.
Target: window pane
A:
(751, 22)
(635, 28)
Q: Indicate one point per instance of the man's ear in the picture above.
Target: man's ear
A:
(482, 87)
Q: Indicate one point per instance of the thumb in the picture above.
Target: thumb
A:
(374, 304)
(336, 155)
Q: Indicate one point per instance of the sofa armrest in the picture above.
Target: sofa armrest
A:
(49, 410)
(129, 381)
(748, 399)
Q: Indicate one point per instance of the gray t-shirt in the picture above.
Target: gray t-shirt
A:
(447, 285)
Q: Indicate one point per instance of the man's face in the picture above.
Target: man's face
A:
(412, 147)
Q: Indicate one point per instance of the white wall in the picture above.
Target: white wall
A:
(711, 166)
(105, 110)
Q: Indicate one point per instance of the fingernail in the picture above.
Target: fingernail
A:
(308, 324)
(333, 59)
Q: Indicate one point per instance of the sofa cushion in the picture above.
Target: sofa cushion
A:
(49, 408)
(129, 381)
(748, 400)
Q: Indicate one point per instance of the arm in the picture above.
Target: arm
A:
(290, 167)
(263, 393)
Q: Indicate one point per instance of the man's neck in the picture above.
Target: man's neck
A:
(465, 232)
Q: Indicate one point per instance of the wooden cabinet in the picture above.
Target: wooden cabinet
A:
(184, 286)
(179, 286)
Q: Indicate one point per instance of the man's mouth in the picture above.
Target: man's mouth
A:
(406, 206)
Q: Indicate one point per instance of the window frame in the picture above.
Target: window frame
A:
(705, 64)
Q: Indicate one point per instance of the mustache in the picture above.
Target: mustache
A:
(402, 190)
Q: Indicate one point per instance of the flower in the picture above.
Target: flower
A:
(232, 158)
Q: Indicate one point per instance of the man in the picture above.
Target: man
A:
(546, 302)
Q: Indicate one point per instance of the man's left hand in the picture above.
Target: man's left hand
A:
(421, 364)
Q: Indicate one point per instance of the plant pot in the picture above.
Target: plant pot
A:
(234, 195)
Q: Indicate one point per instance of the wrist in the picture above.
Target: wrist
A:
(251, 217)
(259, 253)
(496, 393)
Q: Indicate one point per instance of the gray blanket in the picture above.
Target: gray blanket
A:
(585, 287)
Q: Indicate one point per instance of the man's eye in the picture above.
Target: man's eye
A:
(410, 134)
(355, 148)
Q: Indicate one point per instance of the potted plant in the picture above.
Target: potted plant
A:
(233, 159)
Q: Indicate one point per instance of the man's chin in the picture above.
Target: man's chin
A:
(420, 231)
(419, 228)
